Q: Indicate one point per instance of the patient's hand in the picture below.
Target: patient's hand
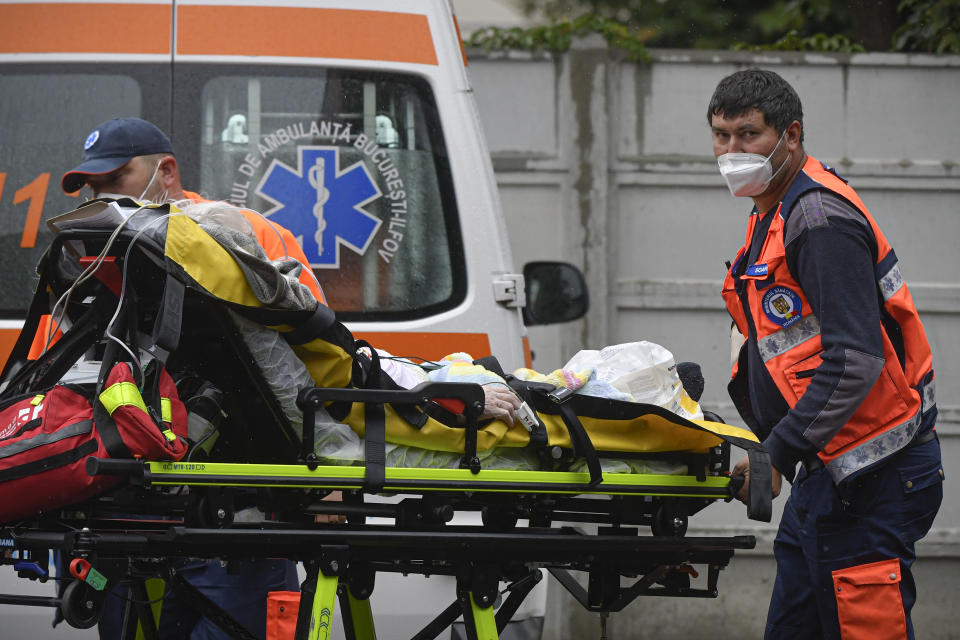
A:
(499, 403)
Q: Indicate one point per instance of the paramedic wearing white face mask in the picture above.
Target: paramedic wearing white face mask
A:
(833, 372)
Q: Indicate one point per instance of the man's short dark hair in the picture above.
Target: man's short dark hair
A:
(759, 89)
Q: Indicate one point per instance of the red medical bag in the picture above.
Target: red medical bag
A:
(45, 439)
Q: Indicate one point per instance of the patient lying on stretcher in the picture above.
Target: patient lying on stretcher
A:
(637, 372)
(644, 367)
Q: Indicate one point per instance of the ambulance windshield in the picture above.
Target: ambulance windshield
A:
(354, 164)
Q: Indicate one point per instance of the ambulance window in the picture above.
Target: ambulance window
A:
(354, 164)
(46, 118)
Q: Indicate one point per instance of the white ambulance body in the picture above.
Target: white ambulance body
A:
(351, 123)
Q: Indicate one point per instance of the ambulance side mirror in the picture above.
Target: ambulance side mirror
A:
(556, 292)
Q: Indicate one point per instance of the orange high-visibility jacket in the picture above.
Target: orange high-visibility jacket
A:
(769, 307)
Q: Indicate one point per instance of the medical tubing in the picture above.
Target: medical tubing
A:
(83, 277)
(423, 361)
(123, 289)
(156, 169)
(65, 298)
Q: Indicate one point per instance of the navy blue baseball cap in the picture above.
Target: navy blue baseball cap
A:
(113, 144)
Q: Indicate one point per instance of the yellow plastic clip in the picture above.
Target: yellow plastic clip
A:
(37, 399)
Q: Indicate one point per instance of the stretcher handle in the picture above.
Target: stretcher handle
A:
(470, 393)
(736, 483)
(110, 467)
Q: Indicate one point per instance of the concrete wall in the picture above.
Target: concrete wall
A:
(608, 164)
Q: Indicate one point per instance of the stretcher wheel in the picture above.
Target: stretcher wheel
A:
(80, 605)
(667, 522)
(211, 510)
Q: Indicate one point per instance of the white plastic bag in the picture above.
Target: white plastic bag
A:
(643, 370)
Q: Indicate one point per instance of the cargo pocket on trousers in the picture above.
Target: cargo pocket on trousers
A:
(869, 605)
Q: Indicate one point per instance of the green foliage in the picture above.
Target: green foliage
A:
(559, 34)
(932, 26)
(798, 25)
(694, 24)
(793, 41)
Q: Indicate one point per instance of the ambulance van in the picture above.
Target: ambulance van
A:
(351, 123)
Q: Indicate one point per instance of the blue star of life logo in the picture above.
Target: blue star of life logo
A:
(322, 205)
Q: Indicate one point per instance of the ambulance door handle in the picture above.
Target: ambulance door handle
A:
(509, 290)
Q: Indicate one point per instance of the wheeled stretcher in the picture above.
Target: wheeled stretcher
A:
(168, 276)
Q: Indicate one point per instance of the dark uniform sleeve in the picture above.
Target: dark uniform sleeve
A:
(829, 252)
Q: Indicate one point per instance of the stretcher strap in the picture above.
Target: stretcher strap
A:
(408, 412)
(375, 449)
(368, 374)
(490, 363)
(760, 492)
(106, 427)
(470, 459)
(366, 371)
(582, 446)
(313, 327)
(166, 329)
(375, 433)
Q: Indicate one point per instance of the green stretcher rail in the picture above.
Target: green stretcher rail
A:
(409, 479)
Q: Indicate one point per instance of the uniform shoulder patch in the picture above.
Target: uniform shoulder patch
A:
(811, 206)
(816, 209)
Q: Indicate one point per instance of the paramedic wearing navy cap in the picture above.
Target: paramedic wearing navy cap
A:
(834, 374)
(132, 157)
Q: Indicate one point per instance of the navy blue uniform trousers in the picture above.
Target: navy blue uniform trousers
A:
(877, 516)
(241, 591)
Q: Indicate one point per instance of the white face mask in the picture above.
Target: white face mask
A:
(749, 174)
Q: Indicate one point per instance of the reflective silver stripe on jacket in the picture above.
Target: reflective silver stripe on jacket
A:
(891, 282)
(874, 450)
(781, 341)
(929, 395)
